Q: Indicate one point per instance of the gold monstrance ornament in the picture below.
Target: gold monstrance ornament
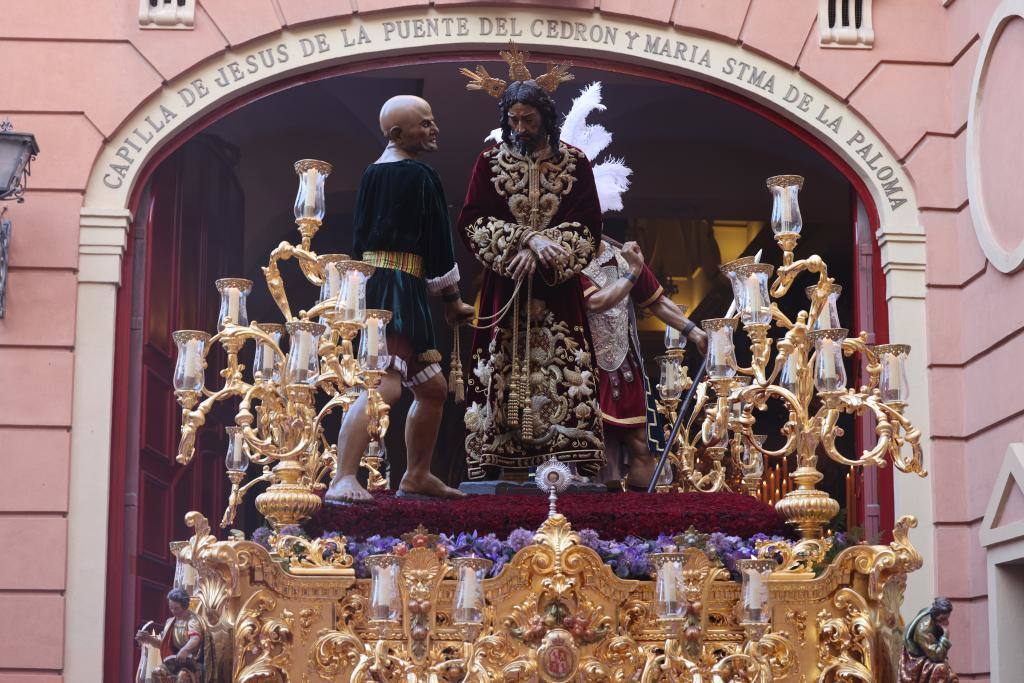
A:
(481, 80)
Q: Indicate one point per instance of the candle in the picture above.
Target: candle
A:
(238, 454)
(311, 183)
(234, 295)
(470, 588)
(305, 341)
(787, 210)
(152, 659)
(350, 305)
(188, 576)
(894, 389)
(754, 598)
(193, 362)
(667, 576)
(828, 360)
(754, 300)
(372, 338)
(386, 595)
(721, 341)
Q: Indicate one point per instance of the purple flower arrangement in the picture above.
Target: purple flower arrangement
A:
(628, 558)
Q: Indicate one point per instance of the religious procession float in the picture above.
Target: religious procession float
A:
(708, 584)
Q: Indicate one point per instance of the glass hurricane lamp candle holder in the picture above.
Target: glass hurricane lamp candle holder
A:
(303, 359)
(785, 190)
(754, 303)
(236, 460)
(669, 602)
(266, 362)
(190, 367)
(352, 299)
(373, 343)
(721, 351)
(184, 572)
(893, 384)
(331, 286)
(310, 202)
(385, 594)
(828, 315)
(754, 590)
(671, 385)
(469, 595)
(730, 268)
(233, 293)
(829, 370)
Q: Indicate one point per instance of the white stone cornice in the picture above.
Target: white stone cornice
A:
(102, 239)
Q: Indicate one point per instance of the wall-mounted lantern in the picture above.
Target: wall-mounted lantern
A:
(17, 150)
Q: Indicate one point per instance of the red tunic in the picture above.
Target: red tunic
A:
(623, 395)
(509, 196)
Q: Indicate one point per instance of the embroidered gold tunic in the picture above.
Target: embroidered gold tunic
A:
(533, 389)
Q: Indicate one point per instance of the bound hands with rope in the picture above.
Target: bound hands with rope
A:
(537, 248)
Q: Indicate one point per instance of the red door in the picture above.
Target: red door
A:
(188, 234)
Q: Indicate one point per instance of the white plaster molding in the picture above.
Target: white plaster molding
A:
(180, 103)
(1005, 260)
(844, 32)
(1011, 475)
(101, 244)
(167, 14)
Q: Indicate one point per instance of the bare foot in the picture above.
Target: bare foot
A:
(347, 490)
(428, 485)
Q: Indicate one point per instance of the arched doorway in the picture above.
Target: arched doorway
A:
(170, 122)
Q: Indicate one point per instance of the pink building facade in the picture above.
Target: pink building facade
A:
(922, 103)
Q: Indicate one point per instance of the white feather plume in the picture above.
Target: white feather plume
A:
(611, 175)
(612, 179)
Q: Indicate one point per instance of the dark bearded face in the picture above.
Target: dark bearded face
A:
(524, 122)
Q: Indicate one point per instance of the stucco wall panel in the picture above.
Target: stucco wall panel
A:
(38, 459)
(782, 40)
(946, 415)
(991, 317)
(959, 553)
(35, 537)
(68, 144)
(30, 678)
(954, 256)
(982, 462)
(969, 628)
(96, 19)
(899, 27)
(557, 4)
(45, 228)
(718, 17)
(937, 167)
(31, 631)
(39, 311)
(894, 90)
(992, 387)
(172, 52)
(73, 80)
(242, 20)
(944, 460)
(300, 11)
(47, 381)
(653, 10)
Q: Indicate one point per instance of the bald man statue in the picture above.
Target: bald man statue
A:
(401, 227)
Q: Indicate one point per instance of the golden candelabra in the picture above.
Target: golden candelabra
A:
(808, 377)
(277, 424)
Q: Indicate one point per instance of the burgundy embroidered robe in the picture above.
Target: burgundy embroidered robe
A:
(524, 411)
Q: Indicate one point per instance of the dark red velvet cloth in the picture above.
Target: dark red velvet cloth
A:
(492, 224)
(612, 515)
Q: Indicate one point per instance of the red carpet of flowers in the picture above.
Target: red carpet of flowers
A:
(612, 515)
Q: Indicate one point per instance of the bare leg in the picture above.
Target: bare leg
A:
(353, 440)
(641, 460)
(421, 428)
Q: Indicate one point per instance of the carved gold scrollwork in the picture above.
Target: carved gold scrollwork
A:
(262, 643)
(845, 641)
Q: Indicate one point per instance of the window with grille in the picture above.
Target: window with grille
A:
(179, 14)
(845, 23)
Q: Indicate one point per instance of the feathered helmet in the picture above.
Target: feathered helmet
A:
(480, 80)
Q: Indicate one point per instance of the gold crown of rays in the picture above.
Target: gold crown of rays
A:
(517, 71)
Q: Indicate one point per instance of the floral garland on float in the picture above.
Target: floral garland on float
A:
(562, 605)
